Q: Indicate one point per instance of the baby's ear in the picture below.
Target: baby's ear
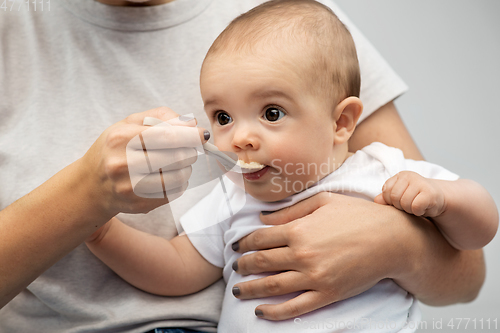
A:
(346, 115)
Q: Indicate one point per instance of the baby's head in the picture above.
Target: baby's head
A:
(280, 87)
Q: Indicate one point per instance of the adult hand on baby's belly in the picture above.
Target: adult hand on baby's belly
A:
(330, 245)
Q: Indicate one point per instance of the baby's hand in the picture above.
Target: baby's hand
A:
(414, 194)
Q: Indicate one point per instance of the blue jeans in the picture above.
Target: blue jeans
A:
(172, 330)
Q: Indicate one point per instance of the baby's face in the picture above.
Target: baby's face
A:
(262, 110)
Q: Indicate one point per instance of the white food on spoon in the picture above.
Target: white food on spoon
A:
(229, 163)
(250, 165)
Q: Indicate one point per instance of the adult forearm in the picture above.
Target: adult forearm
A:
(43, 226)
(386, 126)
(435, 272)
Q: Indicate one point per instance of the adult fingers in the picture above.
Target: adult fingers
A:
(163, 113)
(300, 209)
(183, 120)
(164, 136)
(274, 260)
(273, 285)
(141, 162)
(160, 181)
(303, 303)
(174, 193)
(169, 195)
(261, 239)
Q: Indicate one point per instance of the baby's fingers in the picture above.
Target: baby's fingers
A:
(408, 200)
(380, 199)
(420, 204)
(393, 190)
(406, 192)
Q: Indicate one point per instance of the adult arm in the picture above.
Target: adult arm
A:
(337, 246)
(43, 226)
(386, 126)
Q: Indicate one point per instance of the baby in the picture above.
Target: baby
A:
(280, 86)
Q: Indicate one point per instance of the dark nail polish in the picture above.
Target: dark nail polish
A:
(206, 135)
(235, 246)
(259, 313)
(235, 266)
(236, 291)
(266, 212)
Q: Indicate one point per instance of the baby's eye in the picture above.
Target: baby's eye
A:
(223, 118)
(273, 114)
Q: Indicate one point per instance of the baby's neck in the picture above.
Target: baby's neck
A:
(340, 154)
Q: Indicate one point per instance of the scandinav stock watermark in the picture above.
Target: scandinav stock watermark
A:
(473, 324)
(287, 176)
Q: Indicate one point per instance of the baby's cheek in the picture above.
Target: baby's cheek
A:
(289, 169)
(221, 143)
(282, 153)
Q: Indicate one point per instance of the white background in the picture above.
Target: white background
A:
(448, 52)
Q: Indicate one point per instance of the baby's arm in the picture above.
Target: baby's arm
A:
(463, 210)
(152, 263)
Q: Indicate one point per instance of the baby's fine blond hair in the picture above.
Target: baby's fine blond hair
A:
(301, 26)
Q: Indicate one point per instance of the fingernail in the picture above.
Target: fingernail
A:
(259, 313)
(206, 135)
(236, 291)
(265, 212)
(185, 117)
(235, 266)
(235, 246)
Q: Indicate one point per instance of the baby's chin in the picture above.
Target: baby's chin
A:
(260, 191)
(267, 196)
(263, 193)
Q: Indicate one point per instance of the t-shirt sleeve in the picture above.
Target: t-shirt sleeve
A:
(430, 170)
(393, 161)
(379, 82)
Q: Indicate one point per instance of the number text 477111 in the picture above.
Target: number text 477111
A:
(25, 5)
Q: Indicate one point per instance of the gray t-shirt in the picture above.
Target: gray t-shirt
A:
(69, 72)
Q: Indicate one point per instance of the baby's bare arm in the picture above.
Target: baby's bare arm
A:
(470, 218)
(463, 210)
(152, 263)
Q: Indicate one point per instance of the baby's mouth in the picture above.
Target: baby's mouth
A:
(250, 167)
(255, 175)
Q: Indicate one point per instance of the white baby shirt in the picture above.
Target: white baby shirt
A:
(228, 214)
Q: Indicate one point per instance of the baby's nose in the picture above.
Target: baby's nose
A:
(245, 138)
